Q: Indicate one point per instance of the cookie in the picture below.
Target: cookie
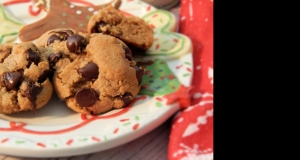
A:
(61, 14)
(24, 78)
(93, 73)
(132, 30)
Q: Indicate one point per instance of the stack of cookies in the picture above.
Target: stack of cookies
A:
(92, 72)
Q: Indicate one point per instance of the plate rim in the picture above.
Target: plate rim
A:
(94, 147)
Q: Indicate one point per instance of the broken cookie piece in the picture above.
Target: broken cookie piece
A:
(133, 30)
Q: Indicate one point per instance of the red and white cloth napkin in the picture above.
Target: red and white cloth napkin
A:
(192, 130)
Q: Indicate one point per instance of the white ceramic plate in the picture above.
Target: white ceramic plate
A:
(56, 131)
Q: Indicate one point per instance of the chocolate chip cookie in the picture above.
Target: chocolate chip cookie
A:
(93, 73)
(134, 31)
(24, 78)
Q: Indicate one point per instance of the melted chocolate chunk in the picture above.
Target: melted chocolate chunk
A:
(126, 98)
(31, 93)
(54, 57)
(128, 53)
(76, 43)
(64, 34)
(32, 56)
(11, 79)
(98, 25)
(144, 63)
(86, 97)
(135, 50)
(52, 38)
(90, 71)
(101, 24)
(139, 74)
(46, 74)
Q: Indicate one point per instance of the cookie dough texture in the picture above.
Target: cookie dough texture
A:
(134, 31)
(93, 73)
(24, 78)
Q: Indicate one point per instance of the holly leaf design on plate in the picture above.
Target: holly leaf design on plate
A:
(158, 80)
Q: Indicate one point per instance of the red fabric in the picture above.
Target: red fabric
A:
(192, 130)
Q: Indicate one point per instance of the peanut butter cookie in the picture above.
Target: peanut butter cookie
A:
(24, 78)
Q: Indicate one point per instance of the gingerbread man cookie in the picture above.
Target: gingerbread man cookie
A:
(167, 44)
(61, 14)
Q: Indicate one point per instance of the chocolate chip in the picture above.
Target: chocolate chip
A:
(52, 38)
(86, 97)
(139, 74)
(54, 57)
(135, 50)
(90, 71)
(31, 93)
(11, 79)
(94, 30)
(101, 24)
(32, 56)
(98, 25)
(145, 63)
(64, 33)
(126, 98)
(76, 43)
(46, 74)
(128, 53)
(69, 32)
